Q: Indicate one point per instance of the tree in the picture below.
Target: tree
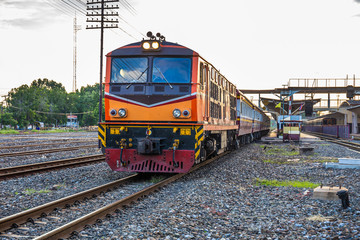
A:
(7, 119)
(41, 101)
(47, 101)
(88, 101)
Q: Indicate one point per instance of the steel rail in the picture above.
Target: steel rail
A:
(22, 217)
(76, 225)
(46, 144)
(45, 151)
(22, 170)
(342, 142)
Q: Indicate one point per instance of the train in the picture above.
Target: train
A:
(167, 109)
(334, 124)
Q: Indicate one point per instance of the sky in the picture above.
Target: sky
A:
(256, 44)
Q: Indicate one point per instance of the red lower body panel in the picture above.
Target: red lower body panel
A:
(134, 162)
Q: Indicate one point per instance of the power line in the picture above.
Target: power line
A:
(128, 33)
(60, 8)
(75, 6)
(128, 6)
(122, 19)
(67, 7)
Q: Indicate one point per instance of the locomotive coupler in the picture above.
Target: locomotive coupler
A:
(122, 146)
(175, 146)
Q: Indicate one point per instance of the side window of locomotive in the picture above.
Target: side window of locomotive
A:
(201, 74)
(171, 70)
(129, 70)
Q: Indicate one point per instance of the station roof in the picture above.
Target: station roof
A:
(350, 103)
(271, 104)
(355, 109)
(331, 115)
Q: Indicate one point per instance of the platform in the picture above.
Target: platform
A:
(271, 137)
(344, 163)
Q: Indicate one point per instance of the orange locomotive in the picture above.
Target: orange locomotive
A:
(166, 108)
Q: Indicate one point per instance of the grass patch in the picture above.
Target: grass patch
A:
(156, 179)
(276, 183)
(30, 191)
(9, 131)
(281, 151)
(326, 160)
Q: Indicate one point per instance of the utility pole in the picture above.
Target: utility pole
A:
(99, 12)
(76, 29)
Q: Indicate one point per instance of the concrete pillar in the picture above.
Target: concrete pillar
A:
(354, 122)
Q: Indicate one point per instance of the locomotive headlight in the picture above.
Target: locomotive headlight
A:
(150, 45)
(146, 45)
(122, 112)
(112, 112)
(155, 45)
(176, 113)
(186, 113)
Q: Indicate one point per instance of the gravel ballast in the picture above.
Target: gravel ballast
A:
(219, 201)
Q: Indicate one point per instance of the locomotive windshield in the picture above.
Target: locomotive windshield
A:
(164, 70)
(171, 70)
(129, 70)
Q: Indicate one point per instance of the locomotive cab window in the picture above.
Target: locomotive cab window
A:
(201, 73)
(171, 70)
(129, 70)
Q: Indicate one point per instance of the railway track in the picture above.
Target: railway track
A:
(352, 145)
(22, 170)
(46, 140)
(76, 225)
(46, 144)
(53, 150)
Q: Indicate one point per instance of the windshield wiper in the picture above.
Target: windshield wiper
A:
(137, 78)
(164, 77)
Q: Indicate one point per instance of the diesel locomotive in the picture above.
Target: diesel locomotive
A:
(167, 108)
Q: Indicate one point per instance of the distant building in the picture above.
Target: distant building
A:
(72, 121)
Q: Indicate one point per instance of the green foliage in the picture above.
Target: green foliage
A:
(276, 183)
(326, 160)
(47, 101)
(6, 118)
(281, 151)
(156, 178)
(10, 131)
(30, 191)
